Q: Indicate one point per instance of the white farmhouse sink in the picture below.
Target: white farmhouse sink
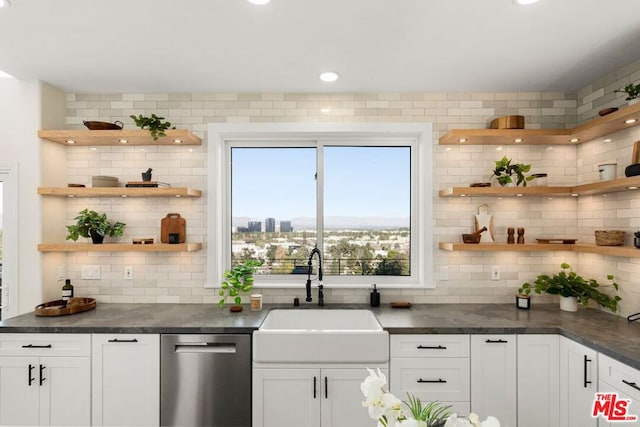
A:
(321, 336)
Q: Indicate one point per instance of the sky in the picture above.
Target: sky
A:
(359, 181)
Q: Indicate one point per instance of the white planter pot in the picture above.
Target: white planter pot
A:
(633, 101)
(569, 303)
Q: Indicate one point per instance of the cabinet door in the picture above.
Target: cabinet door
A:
(126, 380)
(538, 380)
(632, 409)
(287, 397)
(578, 384)
(19, 391)
(493, 377)
(342, 398)
(65, 394)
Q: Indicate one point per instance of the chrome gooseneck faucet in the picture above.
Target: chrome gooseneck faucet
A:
(320, 286)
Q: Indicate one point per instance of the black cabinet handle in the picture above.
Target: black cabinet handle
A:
(42, 378)
(117, 340)
(37, 346)
(439, 380)
(31, 368)
(326, 388)
(631, 384)
(496, 341)
(431, 347)
(314, 386)
(586, 360)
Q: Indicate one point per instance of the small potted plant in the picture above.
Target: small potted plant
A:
(238, 279)
(94, 225)
(511, 174)
(632, 91)
(636, 239)
(573, 289)
(154, 123)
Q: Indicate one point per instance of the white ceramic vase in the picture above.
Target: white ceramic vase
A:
(568, 303)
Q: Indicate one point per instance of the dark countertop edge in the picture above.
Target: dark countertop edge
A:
(125, 330)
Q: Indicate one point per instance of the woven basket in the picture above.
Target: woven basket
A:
(609, 237)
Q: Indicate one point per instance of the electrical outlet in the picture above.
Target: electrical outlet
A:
(90, 272)
(128, 272)
(495, 273)
(60, 273)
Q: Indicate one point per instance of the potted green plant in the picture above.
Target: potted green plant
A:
(573, 289)
(511, 173)
(154, 123)
(94, 225)
(636, 239)
(238, 279)
(632, 91)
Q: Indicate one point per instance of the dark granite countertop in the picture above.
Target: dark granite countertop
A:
(606, 333)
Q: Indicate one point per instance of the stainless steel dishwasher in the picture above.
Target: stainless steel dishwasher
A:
(205, 380)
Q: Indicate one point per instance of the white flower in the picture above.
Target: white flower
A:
(410, 423)
(373, 390)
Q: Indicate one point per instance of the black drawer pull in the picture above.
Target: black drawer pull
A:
(117, 340)
(431, 347)
(630, 384)
(326, 388)
(37, 346)
(314, 386)
(496, 341)
(439, 381)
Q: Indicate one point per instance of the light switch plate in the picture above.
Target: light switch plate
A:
(495, 273)
(90, 272)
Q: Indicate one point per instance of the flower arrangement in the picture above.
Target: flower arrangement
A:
(385, 408)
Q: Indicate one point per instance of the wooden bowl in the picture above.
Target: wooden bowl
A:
(471, 238)
(103, 125)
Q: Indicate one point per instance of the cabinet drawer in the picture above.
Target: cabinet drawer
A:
(430, 346)
(441, 379)
(45, 345)
(622, 377)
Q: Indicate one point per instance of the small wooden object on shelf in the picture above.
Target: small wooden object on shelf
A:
(473, 237)
(557, 240)
(401, 304)
(520, 235)
(511, 235)
(508, 122)
(147, 241)
(63, 308)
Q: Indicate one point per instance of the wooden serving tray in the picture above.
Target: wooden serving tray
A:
(558, 240)
(57, 307)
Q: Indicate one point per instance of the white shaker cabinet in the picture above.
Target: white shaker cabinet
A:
(126, 380)
(538, 380)
(616, 377)
(314, 397)
(45, 379)
(493, 377)
(578, 384)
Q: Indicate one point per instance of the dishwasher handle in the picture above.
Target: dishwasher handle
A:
(205, 347)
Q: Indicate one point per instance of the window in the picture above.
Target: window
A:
(358, 195)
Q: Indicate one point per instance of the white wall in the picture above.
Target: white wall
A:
(19, 145)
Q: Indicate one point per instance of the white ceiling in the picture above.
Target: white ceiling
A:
(376, 45)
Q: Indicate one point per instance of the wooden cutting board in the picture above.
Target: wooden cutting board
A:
(173, 223)
(635, 158)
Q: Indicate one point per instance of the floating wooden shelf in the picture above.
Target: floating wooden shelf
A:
(115, 137)
(619, 251)
(593, 129)
(611, 186)
(118, 247)
(119, 192)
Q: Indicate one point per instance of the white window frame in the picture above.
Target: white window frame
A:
(419, 136)
(10, 285)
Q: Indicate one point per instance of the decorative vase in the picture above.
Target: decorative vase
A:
(523, 302)
(96, 238)
(568, 303)
(636, 242)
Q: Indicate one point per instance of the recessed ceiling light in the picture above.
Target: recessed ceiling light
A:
(462, 140)
(524, 2)
(574, 140)
(329, 76)
(177, 141)
(70, 141)
(258, 2)
(123, 141)
(630, 121)
(517, 140)
(607, 140)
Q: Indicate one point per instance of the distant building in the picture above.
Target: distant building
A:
(285, 227)
(243, 229)
(255, 226)
(270, 225)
